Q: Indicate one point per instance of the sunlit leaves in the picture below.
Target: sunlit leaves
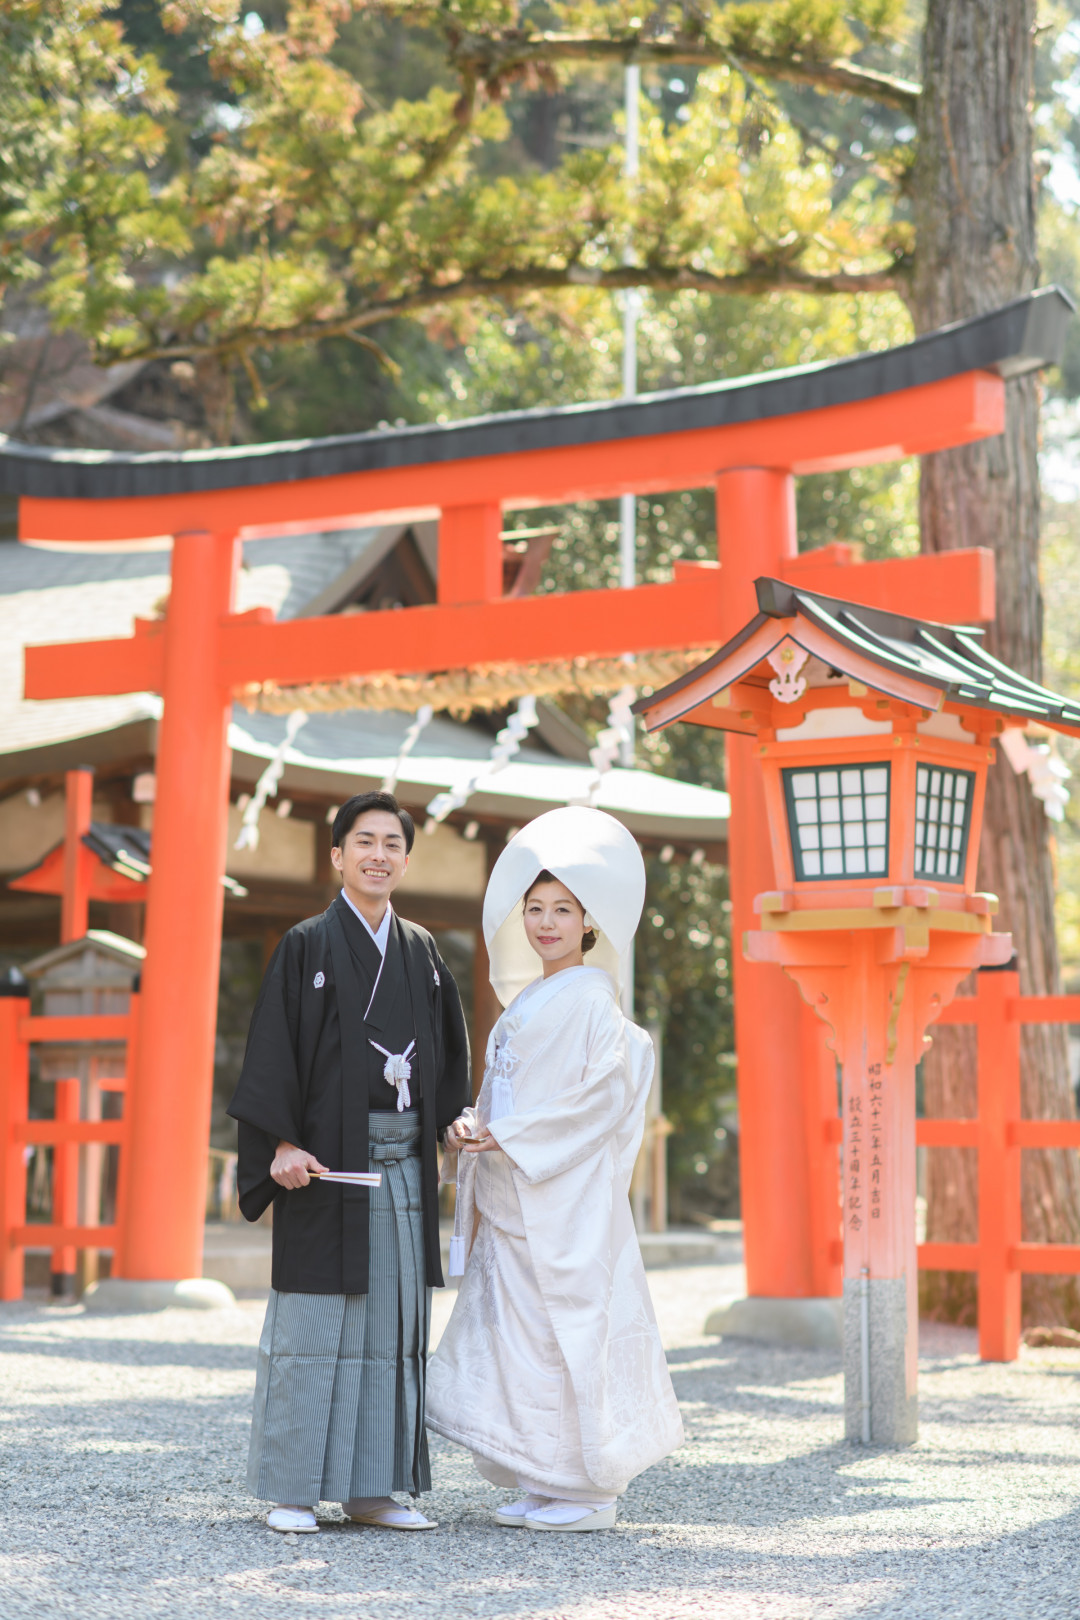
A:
(315, 210)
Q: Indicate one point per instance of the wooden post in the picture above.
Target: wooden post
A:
(470, 553)
(755, 524)
(999, 1165)
(65, 1188)
(78, 861)
(14, 1106)
(169, 1127)
(131, 1063)
(820, 1102)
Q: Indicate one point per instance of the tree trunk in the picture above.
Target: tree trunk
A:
(974, 205)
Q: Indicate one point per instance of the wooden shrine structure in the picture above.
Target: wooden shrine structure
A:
(748, 439)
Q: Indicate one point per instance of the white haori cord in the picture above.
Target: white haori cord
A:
(507, 743)
(267, 783)
(408, 743)
(397, 1071)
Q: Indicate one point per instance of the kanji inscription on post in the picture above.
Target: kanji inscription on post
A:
(854, 1207)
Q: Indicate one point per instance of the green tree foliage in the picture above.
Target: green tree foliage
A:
(683, 986)
(304, 206)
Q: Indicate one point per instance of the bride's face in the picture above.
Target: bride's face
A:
(554, 923)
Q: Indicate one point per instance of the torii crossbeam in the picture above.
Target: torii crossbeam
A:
(748, 438)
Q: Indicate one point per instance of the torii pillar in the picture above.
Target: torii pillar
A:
(183, 923)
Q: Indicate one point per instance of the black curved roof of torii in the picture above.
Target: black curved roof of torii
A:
(1021, 336)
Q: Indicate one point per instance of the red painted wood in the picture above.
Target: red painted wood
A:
(105, 884)
(686, 612)
(50, 1131)
(78, 860)
(470, 553)
(948, 1257)
(65, 1172)
(164, 1183)
(913, 421)
(14, 1103)
(999, 1166)
(953, 587)
(84, 1027)
(1045, 1009)
(51, 1235)
(1046, 1259)
(1044, 1133)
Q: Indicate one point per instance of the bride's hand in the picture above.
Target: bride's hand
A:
(455, 1135)
(482, 1142)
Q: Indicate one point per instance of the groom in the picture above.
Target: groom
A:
(357, 1059)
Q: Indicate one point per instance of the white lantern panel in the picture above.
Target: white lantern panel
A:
(839, 820)
(943, 803)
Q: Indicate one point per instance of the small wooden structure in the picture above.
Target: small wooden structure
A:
(874, 733)
(88, 991)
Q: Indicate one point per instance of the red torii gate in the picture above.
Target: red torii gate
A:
(749, 439)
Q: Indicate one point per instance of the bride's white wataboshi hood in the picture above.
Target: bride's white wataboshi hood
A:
(599, 862)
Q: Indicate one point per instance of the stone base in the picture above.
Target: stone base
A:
(894, 1400)
(129, 1294)
(808, 1324)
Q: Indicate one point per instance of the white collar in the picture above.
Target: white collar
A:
(381, 934)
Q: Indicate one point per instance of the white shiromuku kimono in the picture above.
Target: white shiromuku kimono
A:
(551, 1370)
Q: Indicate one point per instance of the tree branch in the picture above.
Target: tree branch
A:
(758, 279)
(494, 57)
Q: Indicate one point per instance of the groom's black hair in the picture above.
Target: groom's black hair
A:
(351, 811)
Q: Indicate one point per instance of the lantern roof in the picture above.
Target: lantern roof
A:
(916, 661)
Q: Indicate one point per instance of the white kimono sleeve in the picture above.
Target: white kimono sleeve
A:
(577, 1122)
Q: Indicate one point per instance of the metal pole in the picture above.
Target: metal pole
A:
(864, 1349)
(631, 311)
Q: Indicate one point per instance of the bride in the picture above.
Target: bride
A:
(551, 1370)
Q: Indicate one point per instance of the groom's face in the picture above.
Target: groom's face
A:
(372, 857)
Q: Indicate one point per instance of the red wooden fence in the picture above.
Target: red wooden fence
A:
(1000, 1257)
(65, 1132)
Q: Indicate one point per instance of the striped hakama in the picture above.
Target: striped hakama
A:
(339, 1393)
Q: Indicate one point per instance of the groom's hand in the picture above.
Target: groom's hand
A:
(291, 1165)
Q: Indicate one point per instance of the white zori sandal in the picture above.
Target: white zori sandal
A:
(384, 1513)
(567, 1517)
(513, 1513)
(299, 1521)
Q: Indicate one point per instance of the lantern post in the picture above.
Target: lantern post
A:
(874, 734)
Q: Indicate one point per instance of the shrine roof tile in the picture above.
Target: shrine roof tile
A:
(951, 658)
(1020, 336)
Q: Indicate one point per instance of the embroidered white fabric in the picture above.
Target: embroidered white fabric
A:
(551, 1367)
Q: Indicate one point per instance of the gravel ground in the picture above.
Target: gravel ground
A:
(125, 1440)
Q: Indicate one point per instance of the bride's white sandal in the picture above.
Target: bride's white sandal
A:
(570, 1516)
(384, 1513)
(297, 1521)
(513, 1513)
